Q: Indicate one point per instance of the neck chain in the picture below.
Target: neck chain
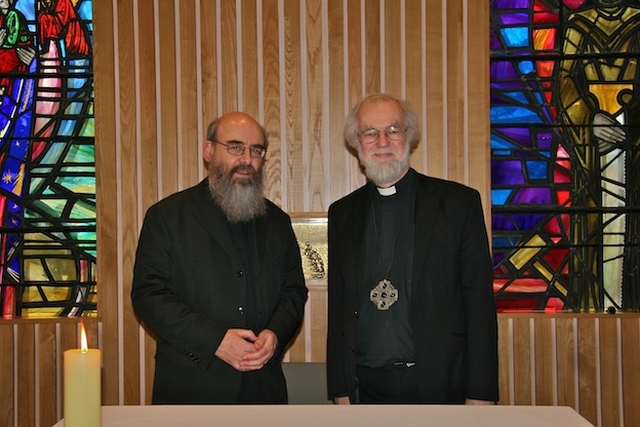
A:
(384, 294)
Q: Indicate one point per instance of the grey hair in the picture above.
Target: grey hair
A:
(212, 132)
(409, 116)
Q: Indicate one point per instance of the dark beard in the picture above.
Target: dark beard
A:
(241, 201)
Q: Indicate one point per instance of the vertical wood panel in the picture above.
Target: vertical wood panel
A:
(228, 56)
(146, 130)
(249, 54)
(107, 139)
(372, 47)
(566, 357)
(128, 194)
(587, 368)
(505, 348)
(415, 73)
(355, 80)
(292, 173)
(478, 125)
(456, 93)
(26, 375)
(313, 140)
(166, 83)
(7, 375)
(609, 370)
(187, 138)
(544, 361)
(272, 109)
(337, 164)
(207, 21)
(47, 373)
(392, 42)
(630, 331)
(434, 130)
(522, 360)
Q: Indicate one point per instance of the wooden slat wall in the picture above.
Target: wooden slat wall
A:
(165, 68)
(590, 362)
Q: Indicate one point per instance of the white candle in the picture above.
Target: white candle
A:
(82, 386)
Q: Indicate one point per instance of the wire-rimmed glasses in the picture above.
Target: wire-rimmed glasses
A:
(237, 148)
(392, 133)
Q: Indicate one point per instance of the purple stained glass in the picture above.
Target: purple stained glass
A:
(515, 222)
(533, 196)
(521, 134)
(503, 70)
(506, 172)
(545, 139)
(511, 4)
(513, 18)
(494, 41)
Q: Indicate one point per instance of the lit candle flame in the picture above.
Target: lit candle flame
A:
(83, 339)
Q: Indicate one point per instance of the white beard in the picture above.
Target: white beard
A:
(384, 172)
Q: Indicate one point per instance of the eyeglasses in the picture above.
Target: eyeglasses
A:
(237, 149)
(392, 133)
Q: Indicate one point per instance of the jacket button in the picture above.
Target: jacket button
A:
(239, 273)
(355, 313)
(353, 349)
(240, 311)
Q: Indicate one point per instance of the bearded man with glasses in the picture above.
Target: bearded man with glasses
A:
(218, 278)
(412, 317)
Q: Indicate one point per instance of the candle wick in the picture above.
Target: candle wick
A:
(84, 350)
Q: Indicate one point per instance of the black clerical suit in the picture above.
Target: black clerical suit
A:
(451, 310)
(194, 275)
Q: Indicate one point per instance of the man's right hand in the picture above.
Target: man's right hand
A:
(342, 400)
(235, 345)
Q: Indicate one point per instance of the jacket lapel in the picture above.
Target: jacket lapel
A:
(356, 248)
(426, 213)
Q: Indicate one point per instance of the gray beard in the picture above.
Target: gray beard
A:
(384, 173)
(241, 201)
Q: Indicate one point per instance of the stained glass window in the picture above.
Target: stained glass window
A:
(565, 110)
(47, 189)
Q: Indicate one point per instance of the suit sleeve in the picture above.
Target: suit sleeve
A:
(479, 306)
(289, 312)
(336, 381)
(155, 302)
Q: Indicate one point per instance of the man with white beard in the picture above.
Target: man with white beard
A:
(411, 310)
(218, 278)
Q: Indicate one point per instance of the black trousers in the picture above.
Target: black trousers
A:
(394, 384)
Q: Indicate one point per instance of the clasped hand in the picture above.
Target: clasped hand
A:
(246, 351)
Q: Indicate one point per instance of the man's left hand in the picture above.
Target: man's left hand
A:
(265, 347)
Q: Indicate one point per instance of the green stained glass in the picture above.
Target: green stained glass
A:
(48, 165)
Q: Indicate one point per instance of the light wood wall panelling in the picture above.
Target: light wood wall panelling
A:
(586, 361)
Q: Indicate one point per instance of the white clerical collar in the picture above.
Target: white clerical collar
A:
(389, 191)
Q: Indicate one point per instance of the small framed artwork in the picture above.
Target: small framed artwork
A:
(311, 232)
